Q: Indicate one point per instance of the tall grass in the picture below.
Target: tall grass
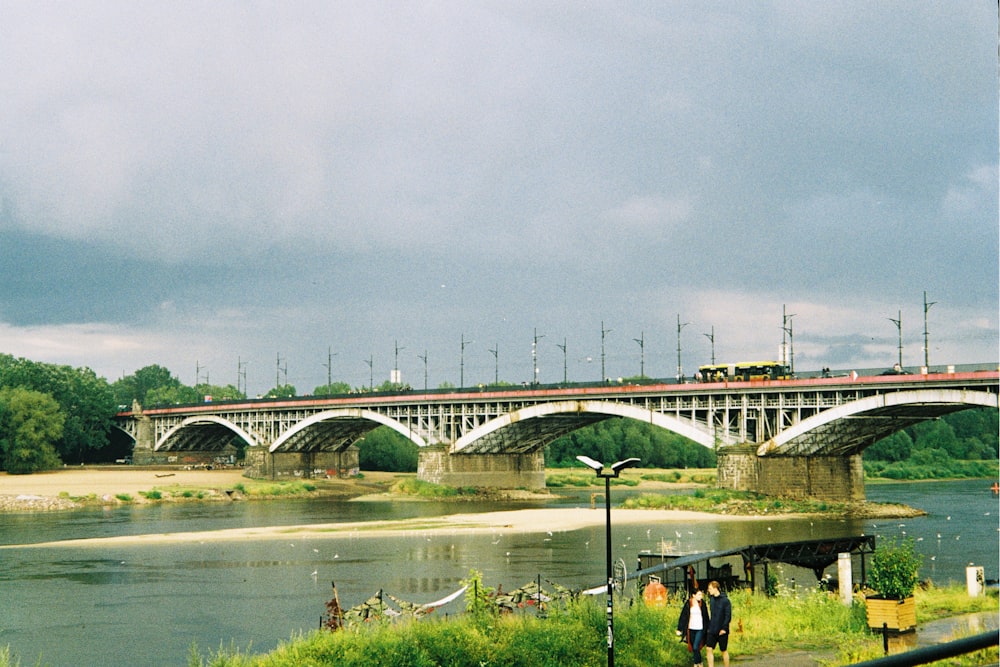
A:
(277, 489)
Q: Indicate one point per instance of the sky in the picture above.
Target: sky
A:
(464, 190)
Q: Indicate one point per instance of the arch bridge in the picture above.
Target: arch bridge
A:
(784, 437)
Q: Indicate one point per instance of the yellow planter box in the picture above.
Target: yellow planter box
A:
(896, 615)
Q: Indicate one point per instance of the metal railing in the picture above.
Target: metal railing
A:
(922, 656)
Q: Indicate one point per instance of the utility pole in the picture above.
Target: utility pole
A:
(495, 351)
(899, 326)
(563, 348)
(786, 327)
(371, 372)
(534, 354)
(241, 374)
(604, 332)
(680, 369)
(279, 371)
(642, 353)
(927, 306)
(711, 337)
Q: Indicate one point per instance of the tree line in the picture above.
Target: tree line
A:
(51, 415)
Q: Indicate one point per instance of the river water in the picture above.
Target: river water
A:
(125, 605)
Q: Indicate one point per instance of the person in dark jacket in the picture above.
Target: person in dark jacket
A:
(720, 614)
(692, 625)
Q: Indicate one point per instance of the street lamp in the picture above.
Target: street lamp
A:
(534, 356)
(642, 353)
(461, 366)
(680, 369)
(615, 470)
(927, 306)
(711, 338)
(604, 332)
(563, 348)
(899, 327)
(423, 357)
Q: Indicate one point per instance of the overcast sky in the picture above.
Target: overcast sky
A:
(199, 184)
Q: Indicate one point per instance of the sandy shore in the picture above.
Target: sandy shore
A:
(78, 482)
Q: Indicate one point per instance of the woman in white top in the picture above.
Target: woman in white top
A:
(692, 625)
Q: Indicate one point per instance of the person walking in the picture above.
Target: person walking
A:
(720, 614)
(692, 624)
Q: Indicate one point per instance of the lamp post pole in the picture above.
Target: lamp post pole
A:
(615, 470)
(927, 306)
(899, 326)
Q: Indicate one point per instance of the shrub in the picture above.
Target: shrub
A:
(894, 570)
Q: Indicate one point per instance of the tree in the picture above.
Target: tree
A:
(87, 402)
(30, 425)
(135, 387)
(282, 391)
(332, 389)
(384, 449)
(896, 447)
(171, 395)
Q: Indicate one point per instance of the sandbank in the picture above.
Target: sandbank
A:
(524, 521)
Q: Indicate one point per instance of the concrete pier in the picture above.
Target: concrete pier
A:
(836, 478)
(498, 471)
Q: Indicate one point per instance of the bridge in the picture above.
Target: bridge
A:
(801, 437)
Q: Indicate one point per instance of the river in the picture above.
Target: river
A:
(129, 604)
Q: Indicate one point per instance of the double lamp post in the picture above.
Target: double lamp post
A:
(614, 470)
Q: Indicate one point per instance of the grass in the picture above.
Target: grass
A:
(275, 489)
(574, 634)
(725, 501)
(578, 477)
(411, 486)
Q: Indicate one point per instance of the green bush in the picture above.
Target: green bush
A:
(894, 569)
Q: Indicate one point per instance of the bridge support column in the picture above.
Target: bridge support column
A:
(142, 452)
(262, 464)
(497, 471)
(837, 478)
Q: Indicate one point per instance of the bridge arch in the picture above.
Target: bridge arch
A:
(202, 429)
(890, 407)
(527, 426)
(358, 421)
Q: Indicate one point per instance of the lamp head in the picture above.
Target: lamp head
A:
(591, 463)
(621, 465)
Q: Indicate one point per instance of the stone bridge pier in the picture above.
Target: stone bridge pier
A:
(498, 471)
(262, 464)
(833, 478)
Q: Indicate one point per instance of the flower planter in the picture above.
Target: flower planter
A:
(897, 615)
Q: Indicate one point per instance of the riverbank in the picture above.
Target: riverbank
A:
(72, 488)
